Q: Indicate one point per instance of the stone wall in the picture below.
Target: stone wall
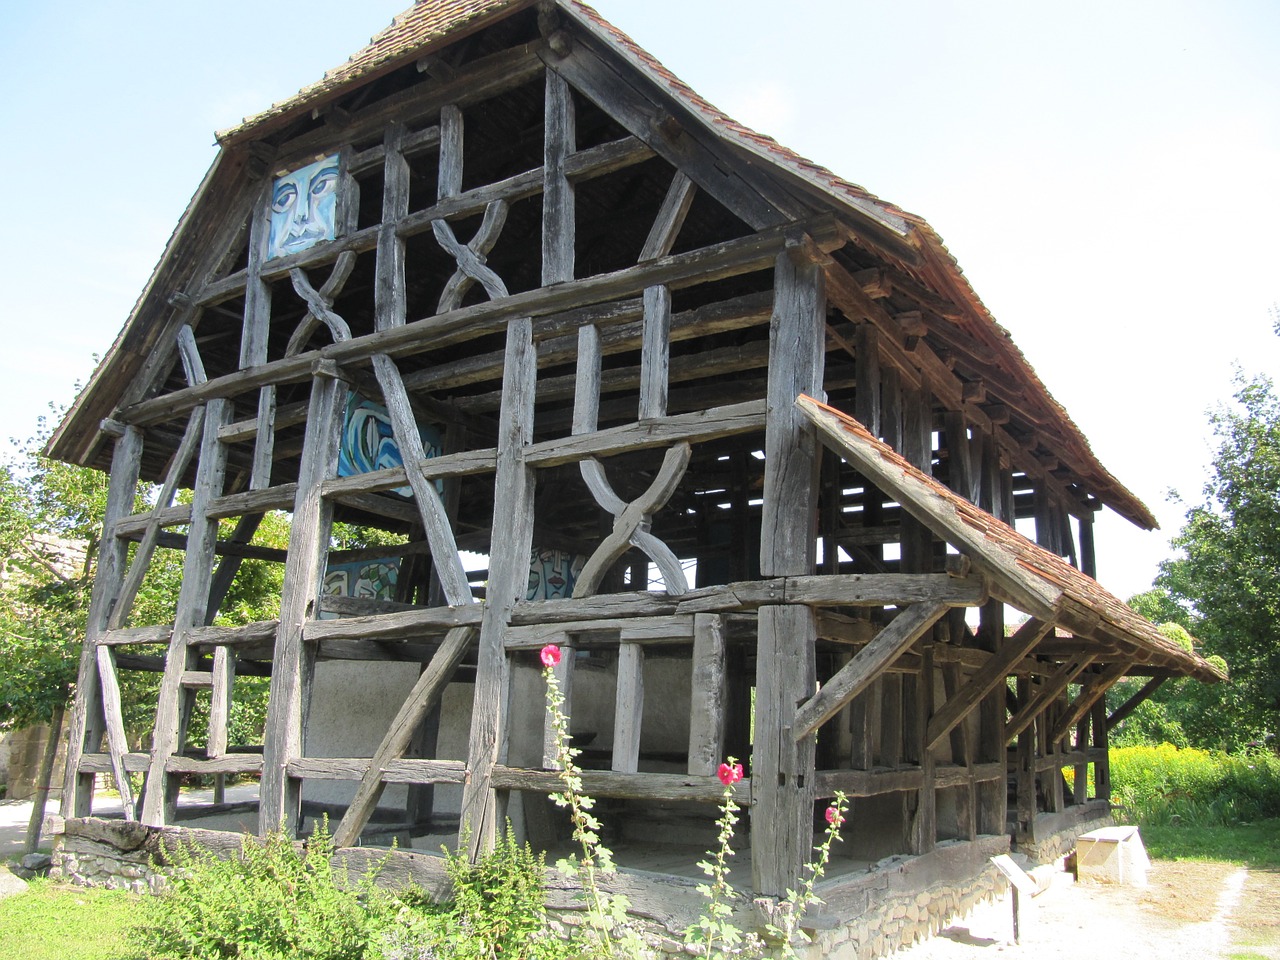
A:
(899, 901)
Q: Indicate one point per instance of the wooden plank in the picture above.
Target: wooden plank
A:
(558, 217)
(224, 678)
(422, 699)
(292, 663)
(1053, 685)
(135, 635)
(707, 706)
(250, 633)
(254, 501)
(92, 763)
(986, 679)
(628, 714)
(1090, 693)
(232, 763)
(872, 660)
(508, 579)
(638, 786)
(697, 427)
(160, 802)
(398, 771)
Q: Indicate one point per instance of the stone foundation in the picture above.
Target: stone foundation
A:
(898, 902)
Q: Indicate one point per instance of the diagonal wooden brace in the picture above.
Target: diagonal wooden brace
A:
(985, 679)
(872, 660)
(1092, 692)
(422, 700)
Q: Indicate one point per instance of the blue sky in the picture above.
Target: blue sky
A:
(1107, 174)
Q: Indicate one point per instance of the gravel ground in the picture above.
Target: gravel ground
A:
(1187, 911)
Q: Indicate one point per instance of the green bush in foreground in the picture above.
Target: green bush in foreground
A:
(269, 903)
(1165, 785)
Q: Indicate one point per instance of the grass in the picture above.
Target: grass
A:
(1255, 845)
(51, 922)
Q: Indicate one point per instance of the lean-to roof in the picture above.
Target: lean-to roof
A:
(1025, 574)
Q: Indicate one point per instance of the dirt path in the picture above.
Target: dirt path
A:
(1187, 911)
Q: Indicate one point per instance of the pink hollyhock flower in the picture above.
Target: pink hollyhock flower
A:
(833, 816)
(550, 655)
(729, 774)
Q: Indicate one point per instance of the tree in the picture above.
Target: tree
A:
(44, 606)
(1224, 587)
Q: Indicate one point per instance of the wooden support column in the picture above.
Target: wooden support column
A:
(508, 580)
(782, 781)
(87, 718)
(993, 797)
(707, 710)
(173, 708)
(1101, 741)
(558, 200)
(1088, 556)
(293, 664)
(866, 402)
(922, 808)
(628, 714)
(1026, 766)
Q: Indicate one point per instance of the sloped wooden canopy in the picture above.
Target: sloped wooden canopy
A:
(927, 297)
(1021, 573)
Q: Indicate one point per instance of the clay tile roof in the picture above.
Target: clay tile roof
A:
(997, 548)
(409, 35)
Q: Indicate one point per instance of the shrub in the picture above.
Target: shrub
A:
(272, 902)
(1162, 785)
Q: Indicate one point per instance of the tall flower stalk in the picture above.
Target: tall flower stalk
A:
(714, 931)
(605, 913)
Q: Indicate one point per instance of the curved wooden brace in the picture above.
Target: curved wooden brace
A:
(470, 257)
(320, 304)
(631, 527)
(594, 476)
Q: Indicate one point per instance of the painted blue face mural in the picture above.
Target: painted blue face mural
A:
(303, 206)
(369, 443)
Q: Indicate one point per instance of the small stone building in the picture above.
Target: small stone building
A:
(603, 368)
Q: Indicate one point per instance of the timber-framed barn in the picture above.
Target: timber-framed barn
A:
(617, 373)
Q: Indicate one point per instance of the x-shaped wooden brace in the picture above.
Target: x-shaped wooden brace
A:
(470, 257)
(320, 304)
(631, 523)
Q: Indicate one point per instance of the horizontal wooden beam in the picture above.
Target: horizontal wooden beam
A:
(136, 635)
(636, 786)
(705, 265)
(397, 771)
(231, 763)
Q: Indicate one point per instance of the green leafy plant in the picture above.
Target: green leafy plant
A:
(271, 902)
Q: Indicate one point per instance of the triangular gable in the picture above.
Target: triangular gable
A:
(1022, 573)
(771, 181)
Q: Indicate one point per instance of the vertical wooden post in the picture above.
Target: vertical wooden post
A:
(87, 721)
(173, 708)
(558, 201)
(993, 797)
(292, 663)
(1026, 775)
(707, 710)
(1080, 784)
(782, 770)
(866, 401)
(508, 580)
(1088, 556)
(628, 712)
(1101, 741)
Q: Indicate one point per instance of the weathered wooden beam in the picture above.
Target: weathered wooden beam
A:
(1044, 695)
(558, 199)
(508, 579)
(707, 706)
(985, 679)
(160, 803)
(872, 660)
(1089, 694)
(705, 265)
(638, 786)
(628, 713)
(292, 663)
(422, 699)
(1125, 710)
